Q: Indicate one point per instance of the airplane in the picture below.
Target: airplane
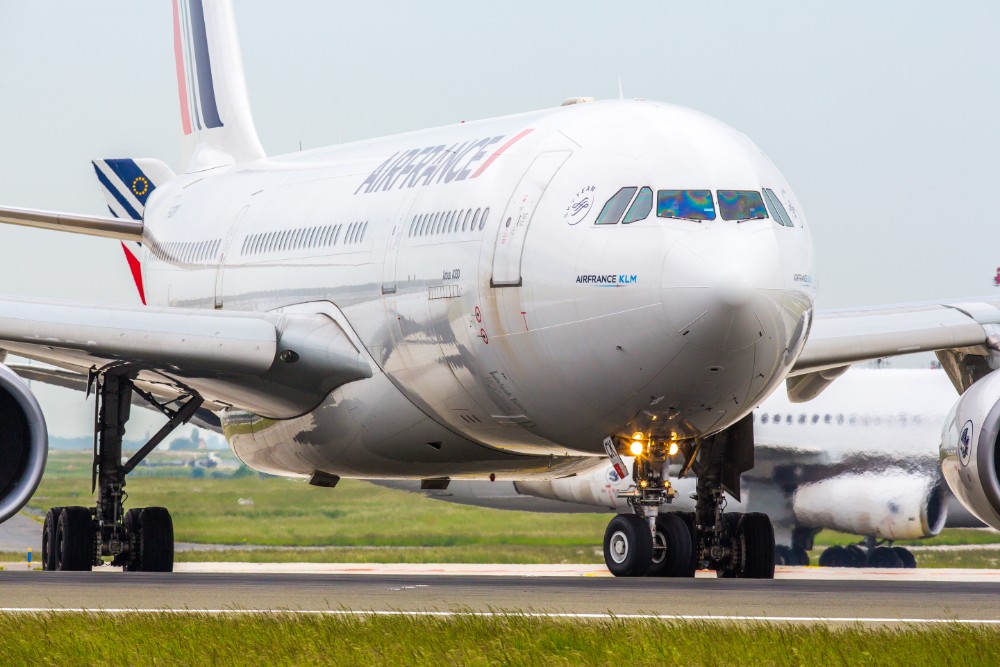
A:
(861, 458)
(521, 297)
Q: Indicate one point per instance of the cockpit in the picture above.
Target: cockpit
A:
(632, 204)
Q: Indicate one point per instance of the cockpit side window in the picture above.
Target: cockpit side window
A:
(640, 208)
(778, 211)
(613, 209)
(685, 204)
(741, 205)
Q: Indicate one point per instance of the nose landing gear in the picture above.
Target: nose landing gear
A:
(648, 542)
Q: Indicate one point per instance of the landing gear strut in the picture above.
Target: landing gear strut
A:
(140, 540)
(648, 542)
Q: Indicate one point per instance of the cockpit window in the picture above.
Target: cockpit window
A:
(640, 208)
(685, 204)
(741, 205)
(778, 211)
(613, 209)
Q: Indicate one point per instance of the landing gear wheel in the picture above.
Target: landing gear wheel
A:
(131, 522)
(884, 557)
(50, 546)
(782, 555)
(835, 556)
(753, 547)
(156, 540)
(628, 546)
(905, 556)
(855, 556)
(671, 548)
(800, 557)
(76, 538)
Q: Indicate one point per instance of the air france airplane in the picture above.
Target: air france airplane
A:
(862, 458)
(521, 297)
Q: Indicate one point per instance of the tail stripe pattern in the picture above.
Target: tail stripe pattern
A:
(196, 87)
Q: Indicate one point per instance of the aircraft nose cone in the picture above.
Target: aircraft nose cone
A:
(723, 287)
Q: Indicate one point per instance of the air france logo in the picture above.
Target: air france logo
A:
(965, 444)
(612, 475)
(580, 205)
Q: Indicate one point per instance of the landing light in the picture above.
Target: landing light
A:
(637, 436)
(635, 447)
(673, 449)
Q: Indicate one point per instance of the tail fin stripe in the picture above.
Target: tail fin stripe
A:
(181, 77)
(203, 63)
(132, 213)
(134, 179)
(189, 68)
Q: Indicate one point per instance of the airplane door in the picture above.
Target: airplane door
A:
(400, 225)
(220, 271)
(517, 218)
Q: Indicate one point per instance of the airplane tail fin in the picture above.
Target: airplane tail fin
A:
(215, 108)
(126, 186)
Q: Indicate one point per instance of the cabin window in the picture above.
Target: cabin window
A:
(641, 207)
(685, 204)
(614, 207)
(741, 205)
(465, 219)
(778, 211)
(486, 214)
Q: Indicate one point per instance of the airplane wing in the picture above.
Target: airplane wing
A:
(277, 365)
(963, 334)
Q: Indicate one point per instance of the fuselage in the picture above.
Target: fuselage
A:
(468, 262)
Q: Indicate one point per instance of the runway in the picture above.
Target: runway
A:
(879, 598)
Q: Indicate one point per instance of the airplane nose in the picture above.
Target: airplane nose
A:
(722, 287)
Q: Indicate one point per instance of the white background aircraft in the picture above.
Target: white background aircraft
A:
(511, 298)
(861, 458)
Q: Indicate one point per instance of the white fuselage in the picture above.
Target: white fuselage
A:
(510, 333)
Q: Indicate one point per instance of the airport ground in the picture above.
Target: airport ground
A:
(249, 612)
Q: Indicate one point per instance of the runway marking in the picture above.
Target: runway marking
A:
(492, 614)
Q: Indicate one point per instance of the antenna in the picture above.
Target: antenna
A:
(621, 92)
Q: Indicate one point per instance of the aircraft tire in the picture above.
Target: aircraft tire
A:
(801, 557)
(49, 543)
(156, 540)
(834, 556)
(756, 537)
(131, 522)
(855, 556)
(76, 539)
(628, 546)
(905, 556)
(884, 557)
(673, 557)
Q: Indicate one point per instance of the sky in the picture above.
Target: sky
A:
(882, 116)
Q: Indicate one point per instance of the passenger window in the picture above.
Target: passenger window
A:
(741, 205)
(465, 220)
(614, 207)
(486, 214)
(778, 211)
(640, 208)
(685, 204)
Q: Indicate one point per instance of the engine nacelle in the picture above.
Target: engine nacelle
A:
(894, 504)
(970, 453)
(24, 443)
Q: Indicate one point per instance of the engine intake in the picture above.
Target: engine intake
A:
(970, 452)
(24, 443)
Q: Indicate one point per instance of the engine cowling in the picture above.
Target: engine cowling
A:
(24, 443)
(970, 451)
(894, 504)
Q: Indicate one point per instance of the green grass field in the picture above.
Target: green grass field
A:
(360, 522)
(181, 639)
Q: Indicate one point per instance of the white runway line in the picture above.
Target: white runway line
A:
(495, 614)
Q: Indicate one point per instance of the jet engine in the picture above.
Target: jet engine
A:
(894, 504)
(970, 451)
(24, 443)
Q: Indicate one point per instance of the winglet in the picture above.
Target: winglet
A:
(215, 108)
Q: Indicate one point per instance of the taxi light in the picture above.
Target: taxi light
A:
(635, 448)
(673, 449)
(644, 484)
(637, 436)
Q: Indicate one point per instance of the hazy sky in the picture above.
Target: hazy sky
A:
(883, 116)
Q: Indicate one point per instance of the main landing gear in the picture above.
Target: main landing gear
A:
(650, 542)
(140, 540)
(870, 553)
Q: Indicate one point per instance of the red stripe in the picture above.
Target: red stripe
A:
(181, 78)
(136, 268)
(500, 150)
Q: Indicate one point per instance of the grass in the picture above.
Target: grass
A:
(183, 639)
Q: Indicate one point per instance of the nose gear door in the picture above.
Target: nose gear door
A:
(517, 218)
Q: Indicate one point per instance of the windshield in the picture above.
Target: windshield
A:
(741, 205)
(685, 204)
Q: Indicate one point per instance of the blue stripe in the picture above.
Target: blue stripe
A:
(114, 193)
(203, 64)
(133, 178)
